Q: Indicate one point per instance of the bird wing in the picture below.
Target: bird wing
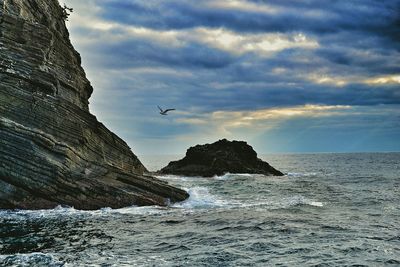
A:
(160, 109)
(170, 109)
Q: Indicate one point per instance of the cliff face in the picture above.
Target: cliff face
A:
(219, 158)
(52, 150)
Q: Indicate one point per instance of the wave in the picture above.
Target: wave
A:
(299, 174)
(228, 176)
(300, 200)
(197, 178)
(135, 210)
(30, 259)
(200, 197)
(178, 177)
(61, 211)
(283, 203)
(56, 212)
(232, 175)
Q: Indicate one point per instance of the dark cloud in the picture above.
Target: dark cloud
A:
(141, 53)
(378, 17)
(341, 27)
(222, 81)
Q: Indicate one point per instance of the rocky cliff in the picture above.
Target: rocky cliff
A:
(219, 158)
(52, 150)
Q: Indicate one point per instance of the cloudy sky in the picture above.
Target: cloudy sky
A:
(284, 75)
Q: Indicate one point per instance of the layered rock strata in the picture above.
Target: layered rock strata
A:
(219, 158)
(52, 150)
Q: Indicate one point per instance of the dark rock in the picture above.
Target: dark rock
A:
(219, 158)
(52, 150)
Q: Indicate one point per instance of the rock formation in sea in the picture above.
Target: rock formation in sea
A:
(219, 158)
(52, 150)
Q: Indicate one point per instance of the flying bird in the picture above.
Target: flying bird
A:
(164, 112)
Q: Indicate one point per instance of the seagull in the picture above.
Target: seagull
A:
(164, 112)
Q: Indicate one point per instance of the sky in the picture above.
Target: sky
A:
(283, 75)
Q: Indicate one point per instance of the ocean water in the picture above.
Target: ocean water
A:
(329, 210)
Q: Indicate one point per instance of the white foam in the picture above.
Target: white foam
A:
(316, 204)
(300, 200)
(279, 203)
(228, 175)
(180, 178)
(298, 174)
(72, 212)
(30, 259)
(200, 197)
(147, 210)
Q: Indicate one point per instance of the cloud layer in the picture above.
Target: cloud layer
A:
(237, 59)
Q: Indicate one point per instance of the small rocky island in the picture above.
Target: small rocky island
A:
(219, 158)
(52, 150)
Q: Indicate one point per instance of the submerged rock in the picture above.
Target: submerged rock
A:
(219, 158)
(52, 150)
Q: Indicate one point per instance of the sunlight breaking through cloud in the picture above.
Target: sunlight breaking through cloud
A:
(391, 79)
(243, 6)
(261, 44)
(264, 118)
(223, 39)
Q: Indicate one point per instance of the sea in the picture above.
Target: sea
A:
(328, 210)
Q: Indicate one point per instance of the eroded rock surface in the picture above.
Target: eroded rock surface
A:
(219, 158)
(52, 150)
